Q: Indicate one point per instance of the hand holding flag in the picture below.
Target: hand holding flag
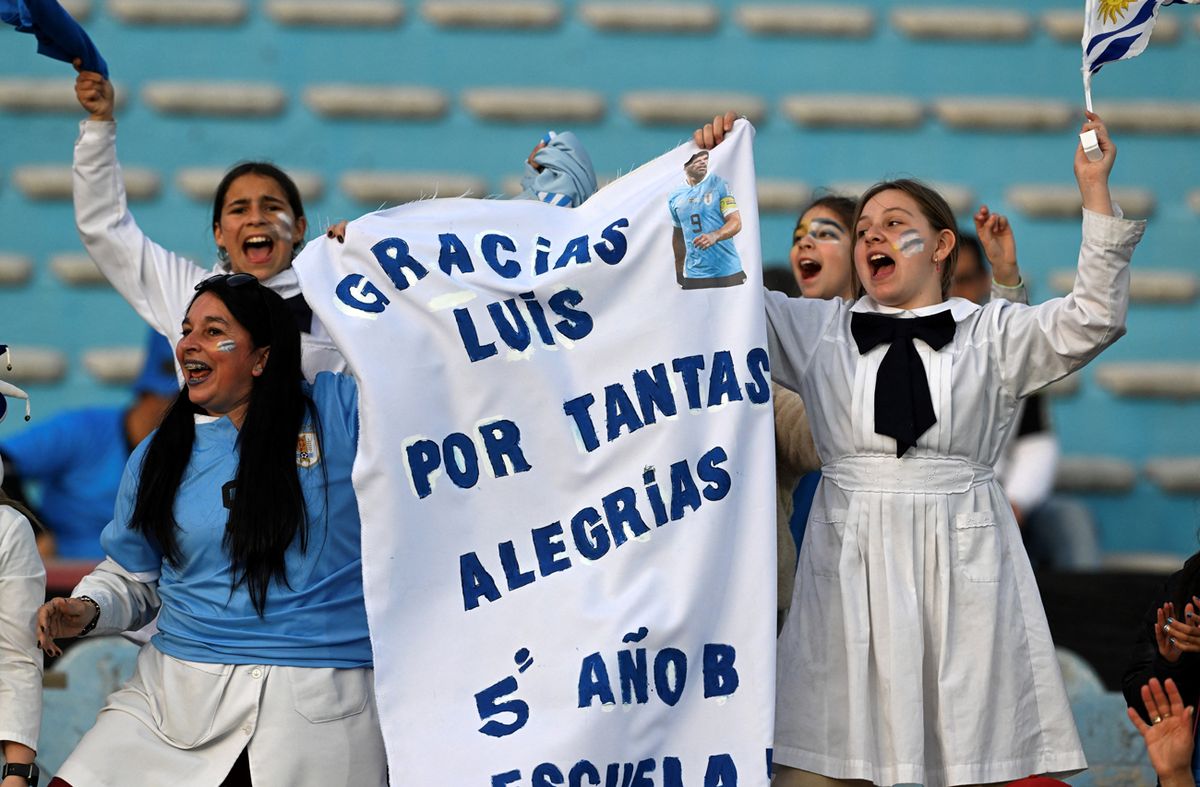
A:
(94, 93)
(1113, 30)
(58, 35)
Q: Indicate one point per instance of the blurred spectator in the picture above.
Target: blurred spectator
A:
(76, 458)
(1059, 533)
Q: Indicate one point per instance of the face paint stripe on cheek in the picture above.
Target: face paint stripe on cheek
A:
(911, 243)
(227, 345)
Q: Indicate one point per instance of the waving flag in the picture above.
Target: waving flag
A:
(1118, 29)
(58, 35)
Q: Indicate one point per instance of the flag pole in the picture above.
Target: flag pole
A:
(1088, 139)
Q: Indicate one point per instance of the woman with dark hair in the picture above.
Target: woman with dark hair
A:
(237, 525)
(821, 248)
(258, 225)
(917, 649)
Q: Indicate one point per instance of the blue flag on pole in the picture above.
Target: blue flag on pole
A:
(1118, 29)
(58, 35)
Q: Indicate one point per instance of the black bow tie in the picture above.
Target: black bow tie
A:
(903, 407)
(301, 312)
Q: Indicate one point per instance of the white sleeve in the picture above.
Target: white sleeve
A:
(1037, 345)
(794, 330)
(128, 601)
(22, 591)
(1029, 473)
(1017, 294)
(157, 283)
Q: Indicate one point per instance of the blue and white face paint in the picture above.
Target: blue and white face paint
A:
(226, 345)
(910, 244)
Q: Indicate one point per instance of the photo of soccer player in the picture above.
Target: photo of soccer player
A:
(706, 218)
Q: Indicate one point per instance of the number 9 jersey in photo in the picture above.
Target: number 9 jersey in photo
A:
(700, 209)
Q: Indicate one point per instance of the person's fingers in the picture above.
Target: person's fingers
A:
(1174, 700)
(1150, 704)
(729, 119)
(981, 217)
(1135, 717)
(337, 231)
(1162, 708)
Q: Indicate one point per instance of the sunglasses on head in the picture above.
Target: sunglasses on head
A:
(228, 279)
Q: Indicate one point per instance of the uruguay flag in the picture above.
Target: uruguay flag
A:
(1118, 29)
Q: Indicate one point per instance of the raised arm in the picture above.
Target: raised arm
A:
(156, 282)
(1043, 343)
(1000, 247)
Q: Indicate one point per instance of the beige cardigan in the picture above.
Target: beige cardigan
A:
(795, 455)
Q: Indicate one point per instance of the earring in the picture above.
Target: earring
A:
(222, 254)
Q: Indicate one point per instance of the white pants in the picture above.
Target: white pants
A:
(185, 723)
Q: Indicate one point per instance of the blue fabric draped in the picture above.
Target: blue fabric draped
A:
(58, 35)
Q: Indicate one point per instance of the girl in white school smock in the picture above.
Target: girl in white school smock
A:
(917, 649)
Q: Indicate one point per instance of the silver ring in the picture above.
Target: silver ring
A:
(1156, 720)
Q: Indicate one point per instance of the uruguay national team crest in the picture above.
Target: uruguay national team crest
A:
(708, 198)
(308, 450)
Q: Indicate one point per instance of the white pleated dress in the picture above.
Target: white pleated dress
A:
(917, 648)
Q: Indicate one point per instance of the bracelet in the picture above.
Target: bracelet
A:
(95, 618)
(1020, 283)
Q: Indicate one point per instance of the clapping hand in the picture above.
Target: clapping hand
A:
(1168, 736)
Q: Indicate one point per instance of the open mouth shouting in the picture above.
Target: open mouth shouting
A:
(809, 268)
(258, 248)
(881, 265)
(196, 372)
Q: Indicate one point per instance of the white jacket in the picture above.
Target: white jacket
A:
(157, 283)
(22, 590)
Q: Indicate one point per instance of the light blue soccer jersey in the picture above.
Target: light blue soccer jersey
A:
(316, 619)
(699, 209)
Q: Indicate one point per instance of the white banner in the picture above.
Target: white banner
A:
(565, 474)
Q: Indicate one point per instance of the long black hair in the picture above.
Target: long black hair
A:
(267, 510)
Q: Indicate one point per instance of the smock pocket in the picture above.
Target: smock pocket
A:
(827, 529)
(978, 544)
(324, 694)
(195, 689)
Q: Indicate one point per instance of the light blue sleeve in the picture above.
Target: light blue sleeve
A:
(336, 396)
(567, 178)
(132, 550)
